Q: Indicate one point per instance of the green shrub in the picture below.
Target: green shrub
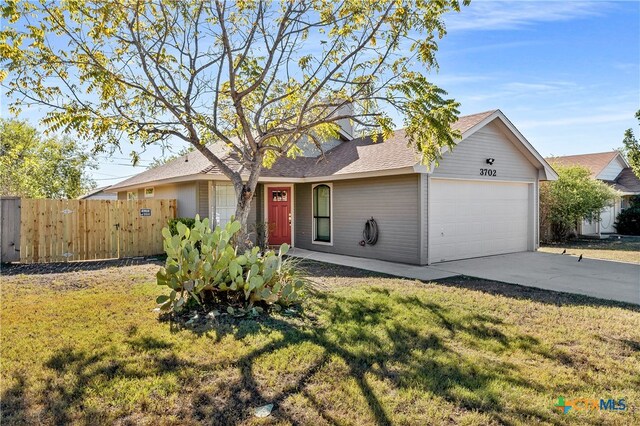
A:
(172, 224)
(565, 202)
(628, 221)
(203, 266)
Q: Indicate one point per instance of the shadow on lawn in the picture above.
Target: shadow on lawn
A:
(377, 352)
(403, 357)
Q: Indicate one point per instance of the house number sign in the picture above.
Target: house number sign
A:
(145, 212)
(488, 172)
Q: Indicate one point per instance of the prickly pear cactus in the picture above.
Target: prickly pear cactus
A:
(203, 266)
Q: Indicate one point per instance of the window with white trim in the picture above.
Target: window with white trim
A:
(321, 200)
(226, 201)
(132, 195)
(148, 193)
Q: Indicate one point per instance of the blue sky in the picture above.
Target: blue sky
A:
(566, 73)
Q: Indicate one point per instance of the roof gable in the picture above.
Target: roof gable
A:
(596, 162)
(362, 155)
(520, 142)
(491, 141)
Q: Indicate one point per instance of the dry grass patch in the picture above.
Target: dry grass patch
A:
(86, 348)
(626, 249)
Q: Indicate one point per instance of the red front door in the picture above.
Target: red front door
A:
(279, 200)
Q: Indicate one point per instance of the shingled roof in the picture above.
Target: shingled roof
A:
(627, 182)
(355, 156)
(595, 162)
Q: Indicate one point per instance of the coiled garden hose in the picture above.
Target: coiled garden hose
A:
(370, 233)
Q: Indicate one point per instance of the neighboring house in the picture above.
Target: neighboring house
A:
(612, 168)
(99, 194)
(481, 199)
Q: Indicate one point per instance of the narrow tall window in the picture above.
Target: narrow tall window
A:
(322, 213)
(226, 200)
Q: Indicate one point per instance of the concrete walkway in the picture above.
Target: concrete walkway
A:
(423, 273)
(596, 278)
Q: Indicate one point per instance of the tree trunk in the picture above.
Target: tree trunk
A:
(245, 193)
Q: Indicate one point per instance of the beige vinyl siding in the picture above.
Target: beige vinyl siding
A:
(184, 193)
(123, 194)
(470, 155)
(392, 201)
(423, 191)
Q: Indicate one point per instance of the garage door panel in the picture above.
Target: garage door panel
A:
(475, 218)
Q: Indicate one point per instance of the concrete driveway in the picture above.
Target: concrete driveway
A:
(597, 278)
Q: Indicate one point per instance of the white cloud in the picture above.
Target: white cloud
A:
(517, 89)
(453, 79)
(504, 15)
(572, 121)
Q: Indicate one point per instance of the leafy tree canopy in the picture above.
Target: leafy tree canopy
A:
(35, 166)
(258, 76)
(631, 148)
(574, 196)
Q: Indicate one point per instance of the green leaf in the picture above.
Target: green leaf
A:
(162, 299)
(233, 227)
(166, 233)
(284, 248)
(234, 269)
(256, 282)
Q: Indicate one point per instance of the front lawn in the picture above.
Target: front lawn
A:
(86, 347)
(625, 249)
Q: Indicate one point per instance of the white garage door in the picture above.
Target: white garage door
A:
(474, 219)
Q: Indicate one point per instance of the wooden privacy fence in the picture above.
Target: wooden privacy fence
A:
(66, 230)
(9, 229)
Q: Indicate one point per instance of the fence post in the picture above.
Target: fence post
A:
(9, 229)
